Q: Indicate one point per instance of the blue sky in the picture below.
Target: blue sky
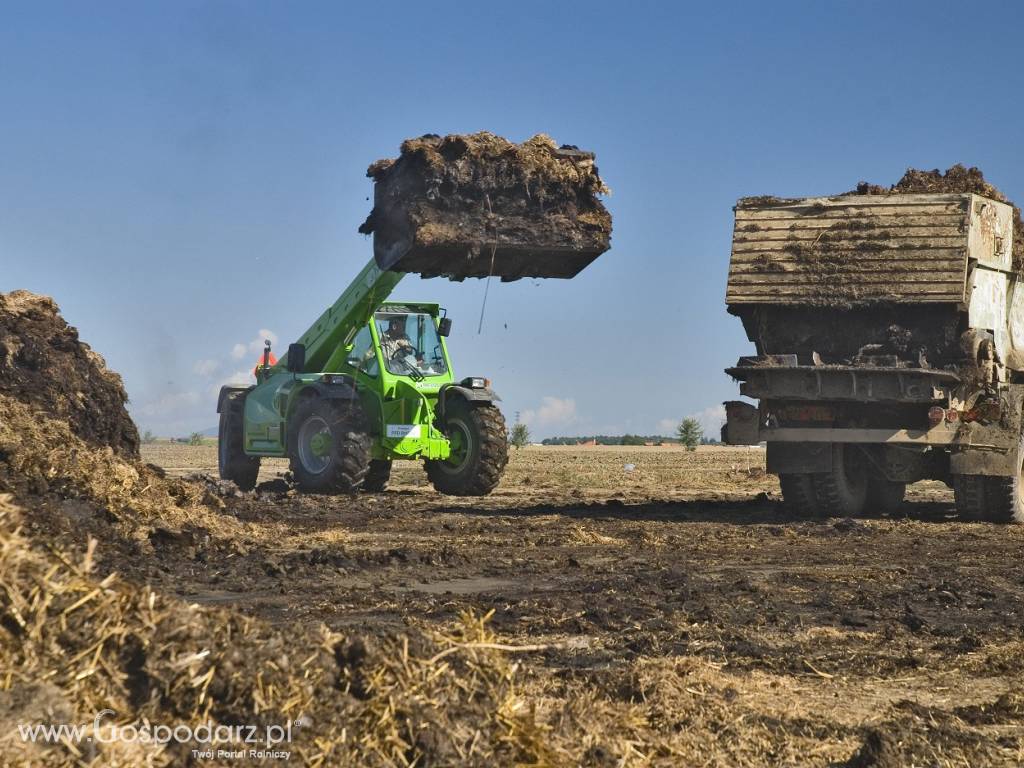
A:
(182, 177)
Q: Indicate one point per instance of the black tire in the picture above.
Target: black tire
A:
(969, 492)
(480, 450)
(328, 446)
(377, 477)
(232, 462)
(991, 499)
(843, 491)
(798, 494)
(884, 495)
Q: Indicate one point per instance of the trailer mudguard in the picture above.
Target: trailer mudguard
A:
(798, 458)
(991, 448)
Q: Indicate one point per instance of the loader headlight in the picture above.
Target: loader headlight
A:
(476, 382)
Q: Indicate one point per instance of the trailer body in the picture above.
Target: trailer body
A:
(889, 339)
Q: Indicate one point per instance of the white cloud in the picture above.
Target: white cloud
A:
(254, 347)
(206, 367)
(553, 412)
(668, 426)
(711, 418)
(170, 404)
(238, 377)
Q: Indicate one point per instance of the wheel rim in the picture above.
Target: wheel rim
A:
(460, 440)
(314, 445)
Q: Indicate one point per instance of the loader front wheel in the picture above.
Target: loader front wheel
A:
(479, 450)
(232, 461)
(329, 446)
(378, 476)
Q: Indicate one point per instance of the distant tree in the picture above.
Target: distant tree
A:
(690, 433)
(520, 435)
(148, 437)
(195, 439)
(633, 440)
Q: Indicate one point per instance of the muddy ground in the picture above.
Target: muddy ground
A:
(678, 582)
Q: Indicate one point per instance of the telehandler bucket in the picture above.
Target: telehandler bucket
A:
(478, 205)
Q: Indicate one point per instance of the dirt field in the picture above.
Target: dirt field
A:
(676, 590)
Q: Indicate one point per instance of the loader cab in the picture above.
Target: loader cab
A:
(403, 341)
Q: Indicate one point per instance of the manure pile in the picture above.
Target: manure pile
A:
(76, 637)
(43, 363)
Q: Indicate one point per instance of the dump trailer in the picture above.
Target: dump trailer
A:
(889, 348)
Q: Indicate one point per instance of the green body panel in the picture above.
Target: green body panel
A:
(399, 409)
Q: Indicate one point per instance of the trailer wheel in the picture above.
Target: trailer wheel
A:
(798, 494)
(479, 450)
(844, 490)
(377, 476)
(992, 499)
(969, 495)
(329, 446)
(884, 495)
(232, 461)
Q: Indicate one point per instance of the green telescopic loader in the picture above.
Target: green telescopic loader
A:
(371, 381)
(368, 383)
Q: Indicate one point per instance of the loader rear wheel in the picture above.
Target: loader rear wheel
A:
(329, 446)
(844, 490)
(479, 454)
(798, 494)
(378, 476)
(232, 461)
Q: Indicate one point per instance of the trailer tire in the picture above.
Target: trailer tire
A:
(329, 446)
(992, 499)
(798, 494)
(478, 435)
(884, 495)
(232, 461)
(844, 490)
(970, 496)
(378, 475)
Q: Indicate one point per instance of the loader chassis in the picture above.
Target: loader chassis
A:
(368, 383)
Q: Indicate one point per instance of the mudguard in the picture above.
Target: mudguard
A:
(471, 394)
(992, 448)
(227, 390)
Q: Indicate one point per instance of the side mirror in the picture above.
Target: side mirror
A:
(444, 326)
(296, 358)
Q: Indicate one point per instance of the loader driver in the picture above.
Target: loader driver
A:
(396, 347)
(394, 341)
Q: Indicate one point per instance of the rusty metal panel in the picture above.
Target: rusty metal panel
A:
(862, 249)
